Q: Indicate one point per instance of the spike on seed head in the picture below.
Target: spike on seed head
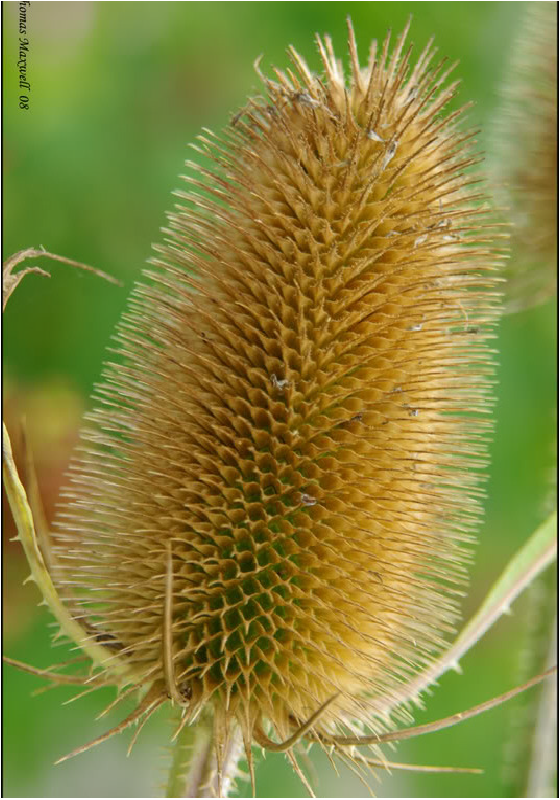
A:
(183, 521)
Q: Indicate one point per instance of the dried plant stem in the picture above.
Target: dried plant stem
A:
(194, 768)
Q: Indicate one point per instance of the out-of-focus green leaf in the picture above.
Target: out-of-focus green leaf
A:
(39, 573)
(538, 552)
(15, 491)
(529, 561)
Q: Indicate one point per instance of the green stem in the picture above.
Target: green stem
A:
(544, 757)
(194, 768)
(530, 747)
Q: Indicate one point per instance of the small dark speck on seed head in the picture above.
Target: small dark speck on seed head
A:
(185, 691)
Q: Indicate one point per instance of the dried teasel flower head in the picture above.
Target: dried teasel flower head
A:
(271, 510)
(526, 157)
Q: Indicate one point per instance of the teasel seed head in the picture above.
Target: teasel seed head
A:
(273, 504)
(526, 157)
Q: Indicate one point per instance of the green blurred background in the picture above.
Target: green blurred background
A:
(117, 92)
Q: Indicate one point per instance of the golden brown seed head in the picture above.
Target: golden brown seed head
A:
(281, 464)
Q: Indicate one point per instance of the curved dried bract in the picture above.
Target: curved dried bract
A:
(439, 724)
(56, 677)
(274, 499)
(389, 765)
(278, 747)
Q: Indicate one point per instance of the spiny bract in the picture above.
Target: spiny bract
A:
(276, 487)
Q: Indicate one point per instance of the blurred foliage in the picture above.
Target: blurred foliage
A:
(117, 92)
